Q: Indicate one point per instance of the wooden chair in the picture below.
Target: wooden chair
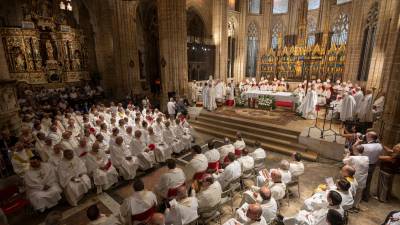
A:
(227, 195)
(294, 182)
(210, 214)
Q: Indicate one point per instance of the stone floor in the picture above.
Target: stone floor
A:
(372, 212)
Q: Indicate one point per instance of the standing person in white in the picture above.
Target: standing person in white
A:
(365, 108)
(307, 107)
(212, 94)
(73, 178)
(171, 105)
(348, 107)
(41, 185)
(204, 95)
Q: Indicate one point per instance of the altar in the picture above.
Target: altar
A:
(282, 99)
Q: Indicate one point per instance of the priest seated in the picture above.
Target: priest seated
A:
(73, 178)
(224, 150)
(259, 156)
(209, 194)
(296, 166)
(273, 180)
(262, 196)
(97, 218)
(170, 181)
(41, 185)
(239, 144)
(121, 158)
(140, 206)
(139, 149)
(183, 209)
(231, 172)
(247, 163)
(197, 167)
(212, 156)
(251, 215)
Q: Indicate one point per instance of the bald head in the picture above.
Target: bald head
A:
(265, 193)
(276, 176)
(157, 219)
(254, 212)
(348, 171)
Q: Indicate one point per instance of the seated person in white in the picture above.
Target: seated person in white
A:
(318, 214)
(97, 218)
(73, 178)
(182, 210)
(285, 173)
(251, 215)
(196, 168)
(296, 167)
(83, 148)
(348, 173)
(209, 194)
(170, 181)
(162, 151)
(140, 206)
(182, 135)
(247, 163)
(171, 139)
(56, 156)
(343, 187)
(239, 144)
(20, 159)
(224, 150)
(259, 156)
(142, 152)
(40, 146)
(262, 196)
(68, 141)
(231, 172)
(101, 169)
(212, 156)
(274, 182)
(41, 185)
(123, 160)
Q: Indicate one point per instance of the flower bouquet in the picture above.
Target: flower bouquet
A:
(240, 101)
(266, 102)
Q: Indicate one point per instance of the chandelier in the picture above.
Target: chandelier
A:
(66, 5)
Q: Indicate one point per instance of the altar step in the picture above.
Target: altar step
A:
(272, 137)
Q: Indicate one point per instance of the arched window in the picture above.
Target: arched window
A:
(255, 6)
(280, 6)
(311, 31)
(276, 31)
(368, 43)
(252, 50)
(313, 4)
(340, 30)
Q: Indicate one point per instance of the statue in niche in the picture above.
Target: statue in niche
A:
(49, 50)
(20, 62)
(298, 68)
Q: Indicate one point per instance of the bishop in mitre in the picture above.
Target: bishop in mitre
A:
(307, 108)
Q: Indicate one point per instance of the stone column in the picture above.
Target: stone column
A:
(173, 47)
(125, 49)
(390, 72)
(324, 20)
(240, 62)
(354, 43)
(265, 31)
(220, 37)
(9, 117)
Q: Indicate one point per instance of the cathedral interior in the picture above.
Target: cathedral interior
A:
(132, 49)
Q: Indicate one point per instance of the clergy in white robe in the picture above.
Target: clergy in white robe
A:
(307, 108)
(194, 91)
(348, 107)
(182, 210)
(247, 163)
(73, 178)
(55, 156)
(41, 147)
(358, 97)
(101, 169)
(209, 194)
(197, 166)
(171, 139)
(96, 218)
(142, 152)
(138, 207)
(170, 181)
(259, 156)
(212, 156)
(284, 167)
(225, 149)
(54, 134)
(41, 185)
(123, 160)
(251, 214)
(212, 104)
(204, 95)
(343, 187)
(162, 151)
(365, 108)
(20, 159)
(68, 141)
(239, 144)
(219, 92)
(296, 167)
(182, 134)
(158, 127)
(231, 172)
(273, 180)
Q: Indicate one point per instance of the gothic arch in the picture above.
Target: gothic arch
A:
(195, 23)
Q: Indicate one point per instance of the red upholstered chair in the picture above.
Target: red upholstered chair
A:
(214, 166)
(199, 175)
(144, 216)
(238, 152)
(172, 192)
(11, 200)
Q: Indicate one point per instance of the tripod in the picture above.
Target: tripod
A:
(322, 130)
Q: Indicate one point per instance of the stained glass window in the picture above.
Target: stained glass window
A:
(313, 4)
(340, 30)
(255, 6)
(280, 6)
(252, 50)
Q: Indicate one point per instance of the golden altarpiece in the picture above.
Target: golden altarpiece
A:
(45, 50)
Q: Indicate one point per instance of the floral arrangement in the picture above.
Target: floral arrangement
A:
(240, 101)
(266, 102)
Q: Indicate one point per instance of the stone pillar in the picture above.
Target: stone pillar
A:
(173, 47)
(9, 117)
(292, 27)
(240, 62)
(390, 72)
(125, 49)
(324, 20)
(354, 42)
(220, 37)
(302, 23)
(265, 31)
